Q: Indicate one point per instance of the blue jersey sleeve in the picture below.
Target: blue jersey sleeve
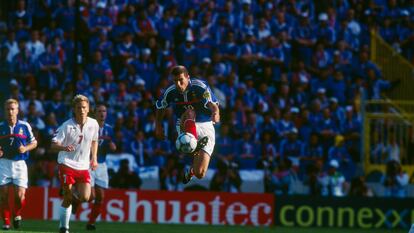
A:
(209, 97)
(164, 101)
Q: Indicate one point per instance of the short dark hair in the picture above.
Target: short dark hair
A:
(101, 104)
(177, 70)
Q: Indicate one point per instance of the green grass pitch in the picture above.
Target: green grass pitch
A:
(29, 226)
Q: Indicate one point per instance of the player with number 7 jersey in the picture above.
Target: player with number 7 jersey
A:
(16, 140)
(77, 143)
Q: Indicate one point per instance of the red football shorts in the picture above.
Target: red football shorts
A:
(68, 175)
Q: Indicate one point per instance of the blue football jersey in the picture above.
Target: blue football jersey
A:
(197, 96)
(105, 137)
(11, 138)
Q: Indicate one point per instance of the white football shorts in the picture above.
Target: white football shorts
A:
(100, 177)
(12, 171)
(204, 129)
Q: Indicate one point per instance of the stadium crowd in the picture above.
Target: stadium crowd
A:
(288, 75)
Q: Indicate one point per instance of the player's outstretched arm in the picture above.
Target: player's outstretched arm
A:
(215, 112)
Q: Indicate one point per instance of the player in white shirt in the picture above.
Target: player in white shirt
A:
(76, 140)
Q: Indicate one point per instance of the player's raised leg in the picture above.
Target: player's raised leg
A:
(188, 123)
(202, 156)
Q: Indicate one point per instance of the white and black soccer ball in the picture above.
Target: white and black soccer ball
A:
(186, 143)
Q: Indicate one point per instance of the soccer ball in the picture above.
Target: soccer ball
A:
(186, 143)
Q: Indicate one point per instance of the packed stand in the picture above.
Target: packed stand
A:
(287, 74)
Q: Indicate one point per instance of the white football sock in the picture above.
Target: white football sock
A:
(64, 214)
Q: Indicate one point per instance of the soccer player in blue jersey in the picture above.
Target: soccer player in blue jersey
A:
(16, 140)
(99, 177)
(196, 109)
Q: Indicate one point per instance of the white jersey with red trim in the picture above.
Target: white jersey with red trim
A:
(70, 133)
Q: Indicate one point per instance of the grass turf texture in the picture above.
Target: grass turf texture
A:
(29, 226)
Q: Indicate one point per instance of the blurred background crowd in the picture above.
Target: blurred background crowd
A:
(289, 76)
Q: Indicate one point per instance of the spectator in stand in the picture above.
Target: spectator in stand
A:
(146, 69)
(268, 151)
(20, 14)
(337, 87)
(5, 65)
(247, 151)
(32, 98)
(33, 117)
(283, 177)
(171, 175)
(52, 31)
(324, 32)
(143, 26)
(98, 67)
(395, 180)
(304, 38)
(359, 188)
(65, 16)
(314, 151)
(161, 149)
(292, 148)
(274, 57)
(50, 68)
(332, 182)
(285, 126)
(225, 150)
(327, 128)
(120, 28)
(226, 178)
(23, 67)
(102, 44)
(140, 149)
(35, 46)
(249, 52)
(100, 22)
(11, 44)
(127, 50)
(166, 25)
(125, 178)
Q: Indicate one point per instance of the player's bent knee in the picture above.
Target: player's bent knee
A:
(84, 198)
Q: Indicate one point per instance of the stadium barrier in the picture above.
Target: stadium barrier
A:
(388, 133)
(216, 208)
(161, 207)
(355, 212)
(253, 180)
(393, 67)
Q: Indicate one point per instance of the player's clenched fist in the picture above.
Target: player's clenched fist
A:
(70, 148)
